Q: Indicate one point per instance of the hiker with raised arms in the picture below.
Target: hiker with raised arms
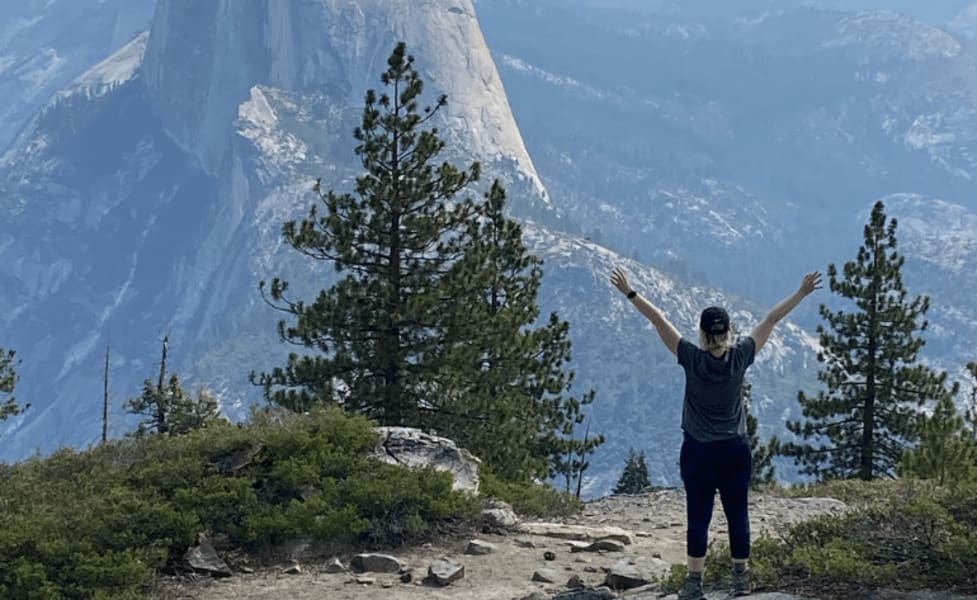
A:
(715, 451)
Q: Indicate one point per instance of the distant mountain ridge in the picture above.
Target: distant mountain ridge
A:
(147, 198)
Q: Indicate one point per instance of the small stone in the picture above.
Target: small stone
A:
(544, 576)
(575, 583)
(591, 569)
(525, 543)
(445, 571)
(202, 558)
(246, 570)
(294, 569)
(364, 580)
(656, 555)
(624, 575)
(386, 585)
(581, 559)
(549, 555)
(406, 577)
(334, 566)
(604, 546)
(600, 593)
(479, 548)
(499, 517)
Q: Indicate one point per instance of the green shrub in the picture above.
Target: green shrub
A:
(672, 582)
(103, 523)
(903, 535)
(529, 498)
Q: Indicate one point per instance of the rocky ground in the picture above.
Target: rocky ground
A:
(621, 540)
(639, 538)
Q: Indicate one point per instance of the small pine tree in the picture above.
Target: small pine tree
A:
(634, 479)
(764, 471)
(947, 452)
(860, 426)
(8, 381)
(168, 408)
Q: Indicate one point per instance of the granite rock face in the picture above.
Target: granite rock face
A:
(148, 195)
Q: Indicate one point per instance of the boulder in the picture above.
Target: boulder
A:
(410, 447)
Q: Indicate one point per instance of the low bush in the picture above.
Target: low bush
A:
(901, 535)
(529, 498)
(102, 523)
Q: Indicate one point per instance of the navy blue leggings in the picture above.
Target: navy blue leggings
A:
(709, 466)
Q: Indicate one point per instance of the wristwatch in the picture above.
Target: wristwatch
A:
(632, 294)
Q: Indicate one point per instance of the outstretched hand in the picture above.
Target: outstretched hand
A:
(811, 282)
(620, 280)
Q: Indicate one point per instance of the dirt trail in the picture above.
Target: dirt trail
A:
(656, 519)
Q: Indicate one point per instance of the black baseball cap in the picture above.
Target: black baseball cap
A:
(714, 321)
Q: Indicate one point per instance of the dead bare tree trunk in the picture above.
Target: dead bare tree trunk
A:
(105, 399)
(161, 408)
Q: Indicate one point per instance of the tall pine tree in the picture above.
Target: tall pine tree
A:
(509, 384)
(431, 325)
(8, 381)
(378, 331)
(861, 424)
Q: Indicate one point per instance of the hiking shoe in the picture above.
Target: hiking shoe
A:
(741, 583)
(691, 590)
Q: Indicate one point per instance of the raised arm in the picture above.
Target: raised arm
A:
(666, 331)
(760, 335)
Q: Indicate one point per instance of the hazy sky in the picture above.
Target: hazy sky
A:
(931, 11)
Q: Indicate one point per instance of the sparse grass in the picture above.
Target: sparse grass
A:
(906, 535)
(855, 492)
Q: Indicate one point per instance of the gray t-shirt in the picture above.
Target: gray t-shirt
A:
(713, 407)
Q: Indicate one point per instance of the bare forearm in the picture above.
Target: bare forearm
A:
(649, 310)
(786, 305)
(666, 331)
